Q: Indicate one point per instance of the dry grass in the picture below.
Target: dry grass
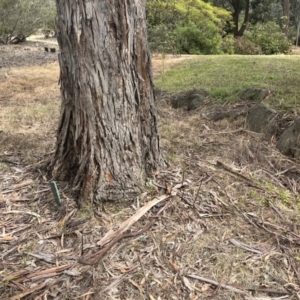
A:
(237, 221)
(29, 98)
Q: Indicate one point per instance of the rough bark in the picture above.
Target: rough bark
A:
(108, 140)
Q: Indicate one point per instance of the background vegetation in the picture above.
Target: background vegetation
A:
(218, 27)
(182, 26)
(22, 18)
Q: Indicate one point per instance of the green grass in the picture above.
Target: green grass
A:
(224, 76)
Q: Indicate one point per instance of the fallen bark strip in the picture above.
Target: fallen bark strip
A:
(93, 259)
(114, 236)
(129, 222)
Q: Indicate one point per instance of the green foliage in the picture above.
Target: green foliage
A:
(162, 19)
(265, 11)
(193, 40)
(21, 18)
(269, 37)
(161, 39)
(228, 44)
(244, 46)
(185, 26)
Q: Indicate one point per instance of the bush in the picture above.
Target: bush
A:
(185, 26)
(21, 18)
(192, 39)
(161, 39)
(228, 44)
(270, 38)
(244, 46)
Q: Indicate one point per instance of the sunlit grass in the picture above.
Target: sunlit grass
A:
(223, 77)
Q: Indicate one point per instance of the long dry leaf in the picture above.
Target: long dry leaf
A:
(129, 222)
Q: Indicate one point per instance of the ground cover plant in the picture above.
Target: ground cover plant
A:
(232, 232)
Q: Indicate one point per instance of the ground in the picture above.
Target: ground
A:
(227, 229)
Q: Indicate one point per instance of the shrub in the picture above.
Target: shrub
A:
(186, 26)
(161, 39)
(243, 45)
(21, 18)
(270, 38)
(192, 39)
(228, 44)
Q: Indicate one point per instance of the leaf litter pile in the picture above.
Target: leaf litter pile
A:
(222, 222)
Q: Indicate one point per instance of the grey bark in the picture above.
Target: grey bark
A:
(108, 140)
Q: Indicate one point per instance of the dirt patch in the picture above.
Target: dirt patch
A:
(296, 50)
(231, 233)
(161, 64)
(19, 56)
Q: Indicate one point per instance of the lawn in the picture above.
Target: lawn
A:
(223, 77)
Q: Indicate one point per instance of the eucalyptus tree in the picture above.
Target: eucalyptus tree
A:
(107, 139)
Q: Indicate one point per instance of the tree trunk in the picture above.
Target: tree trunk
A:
(246, 19)
(108, 139)
(236, 4)
(235, 15)
(298, 31)
(286, 16)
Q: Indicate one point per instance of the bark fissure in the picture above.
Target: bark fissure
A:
(108, 135)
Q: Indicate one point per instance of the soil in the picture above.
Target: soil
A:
(20, 56)
(33, 53)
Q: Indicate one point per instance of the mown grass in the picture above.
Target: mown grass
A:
(223, 77)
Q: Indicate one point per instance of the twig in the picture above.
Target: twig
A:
(229, 132)
(241, 176)
(218, 284)
(144, 273)
(244, 246)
